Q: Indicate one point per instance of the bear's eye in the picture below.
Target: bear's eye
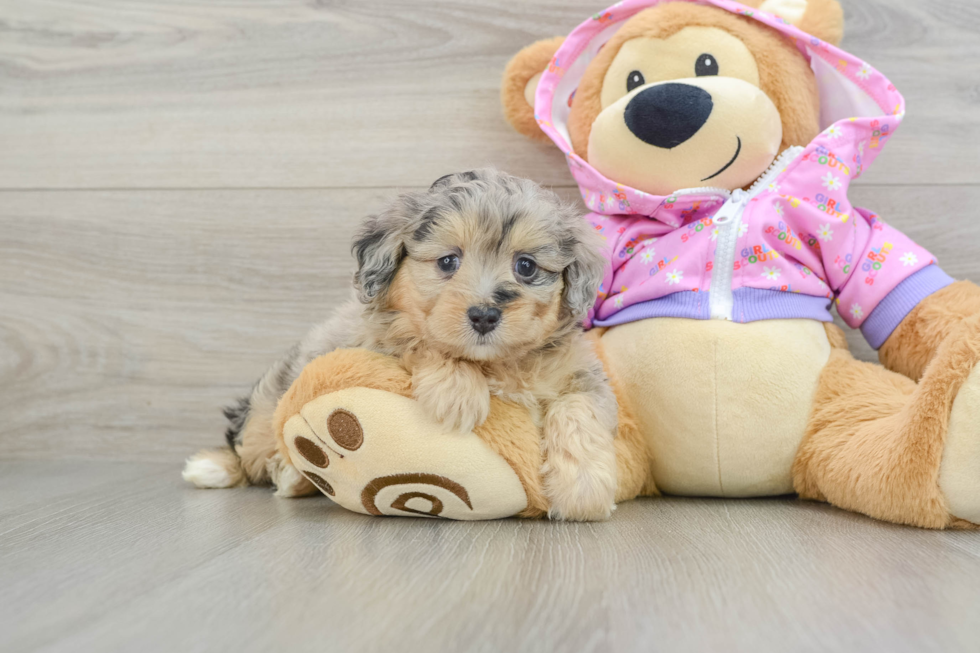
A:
(706, 65)
(634, 80)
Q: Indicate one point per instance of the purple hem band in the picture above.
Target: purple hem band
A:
(687, 303)
(753, 304)
(891, 310)
(749, 305)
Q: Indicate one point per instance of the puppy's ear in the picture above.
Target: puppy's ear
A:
(379, 248)
(447, 180)
(521, 82)
(821, 18)
(583, 276)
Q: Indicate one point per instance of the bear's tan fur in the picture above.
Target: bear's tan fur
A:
(864, 437)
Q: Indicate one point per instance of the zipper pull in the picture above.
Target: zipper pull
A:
(731, 207)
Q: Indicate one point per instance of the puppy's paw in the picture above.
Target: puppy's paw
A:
(579, 471)
(452, 392)
(287, 479)
(578, 492)
(457, 411)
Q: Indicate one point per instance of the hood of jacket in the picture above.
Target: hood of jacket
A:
(859, 110)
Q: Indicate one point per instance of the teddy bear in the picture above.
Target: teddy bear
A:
(713, 143)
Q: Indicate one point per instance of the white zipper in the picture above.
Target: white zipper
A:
(728, 218)
(704, 190)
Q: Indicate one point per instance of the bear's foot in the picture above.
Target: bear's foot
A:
(896, 450)
(959, 473)
(377, 453)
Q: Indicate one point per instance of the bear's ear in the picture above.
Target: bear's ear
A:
(821, 18)
(520, 83)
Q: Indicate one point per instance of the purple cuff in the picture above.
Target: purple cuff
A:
(890, 312)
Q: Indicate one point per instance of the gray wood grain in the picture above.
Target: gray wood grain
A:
(179, 181)
(138, 561)
(247, 93)
(138, 314)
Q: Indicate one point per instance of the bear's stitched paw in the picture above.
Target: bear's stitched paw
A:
(379, 453)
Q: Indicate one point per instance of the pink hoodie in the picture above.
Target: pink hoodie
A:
(789, 246)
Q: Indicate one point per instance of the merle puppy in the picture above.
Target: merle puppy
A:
(479, 285)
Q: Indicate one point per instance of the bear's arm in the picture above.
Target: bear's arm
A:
(915, 340)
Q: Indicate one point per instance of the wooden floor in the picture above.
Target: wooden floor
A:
(122, 557)
(179, 181)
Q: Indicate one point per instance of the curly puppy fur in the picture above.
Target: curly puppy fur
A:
(479, 286)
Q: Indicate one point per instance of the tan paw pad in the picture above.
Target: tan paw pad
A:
(377, 453)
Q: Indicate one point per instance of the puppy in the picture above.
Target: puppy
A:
(479, 285)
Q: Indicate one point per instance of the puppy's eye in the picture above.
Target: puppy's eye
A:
(634, 80)
(706, 65)
(449, 263)
(525, 268)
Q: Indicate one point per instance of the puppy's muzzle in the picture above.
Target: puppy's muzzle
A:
(667, 115)
(483, 319)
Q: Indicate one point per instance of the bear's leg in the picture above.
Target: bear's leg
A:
(350, 426)
(633, 476)
(875, 441)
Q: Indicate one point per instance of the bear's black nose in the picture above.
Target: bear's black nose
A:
(666, 115)
(483, 319)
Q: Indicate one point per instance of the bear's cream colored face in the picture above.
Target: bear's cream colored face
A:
(683, 112)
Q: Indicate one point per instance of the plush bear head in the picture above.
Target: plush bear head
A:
(686, 95)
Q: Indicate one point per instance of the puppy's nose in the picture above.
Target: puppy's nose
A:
(666, 115)
(483, 319)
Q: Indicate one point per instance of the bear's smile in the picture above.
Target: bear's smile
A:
(725, 167)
